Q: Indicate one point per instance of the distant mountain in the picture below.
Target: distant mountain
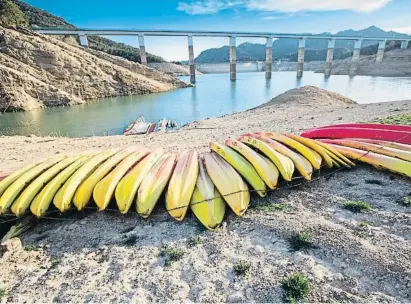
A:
(316, 49)
(40, 18)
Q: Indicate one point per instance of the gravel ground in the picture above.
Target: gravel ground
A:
(106, 257)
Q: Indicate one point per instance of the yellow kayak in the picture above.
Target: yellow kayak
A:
(283, 163)
(154, 184)
(127, 187)
(182, 183)
(103, 192)
(8, 180)
(239, 163)
(62, 199)
(228, 182)
(264, 167)
(24, 200)
(20, 183)
(206, 203)
(85, 191)
(42, 201)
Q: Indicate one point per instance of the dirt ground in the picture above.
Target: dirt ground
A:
(109, 257)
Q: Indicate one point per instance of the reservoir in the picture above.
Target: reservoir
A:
(214, 95)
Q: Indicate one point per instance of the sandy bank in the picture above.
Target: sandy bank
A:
(108, 257)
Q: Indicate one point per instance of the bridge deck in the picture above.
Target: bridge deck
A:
(115, 32)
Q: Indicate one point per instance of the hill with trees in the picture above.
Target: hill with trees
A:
(36, 17)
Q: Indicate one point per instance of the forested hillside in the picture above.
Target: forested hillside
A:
(39, 18)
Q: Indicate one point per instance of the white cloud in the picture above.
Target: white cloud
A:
(405, 29)
(316, 5)
(206, 7)
(203, 7)
(284, 16)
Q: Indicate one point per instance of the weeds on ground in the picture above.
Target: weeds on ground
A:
(194, 240)
(171, 255)
(296, 287)
(403, 119)
(357, 206)
(301, 241)
(363, 224)
(270, 207)
(32, 247)
(55, 262)
(406, 201)
(2, 293)
(242, 268)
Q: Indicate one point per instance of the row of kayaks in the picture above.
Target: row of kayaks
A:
(381, 145)
(136, 178)
(391, 133)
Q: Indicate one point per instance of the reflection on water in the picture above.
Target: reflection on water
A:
(214, 95)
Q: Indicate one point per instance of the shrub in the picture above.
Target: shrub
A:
(172, 255)
(301, 241)
(11, 15)
(194, 240)
(357, 206)
(242, 268)
(296, 287)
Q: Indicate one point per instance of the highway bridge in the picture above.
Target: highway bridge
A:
(302, 38)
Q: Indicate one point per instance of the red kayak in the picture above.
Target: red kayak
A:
(397, 136)
(370, 126)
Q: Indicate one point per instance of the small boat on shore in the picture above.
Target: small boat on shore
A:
(139, 126)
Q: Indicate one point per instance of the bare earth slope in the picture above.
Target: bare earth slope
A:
(39, 71)
(109, 257)
(172, 68)
(396, 62)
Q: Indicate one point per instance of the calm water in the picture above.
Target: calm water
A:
(214, 95)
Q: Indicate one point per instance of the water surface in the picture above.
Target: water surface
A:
(214, 95)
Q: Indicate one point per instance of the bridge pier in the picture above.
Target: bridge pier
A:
(191, 59)
(143, 55)
(300, 60)
(83, 40)
(268, 57)
(381, 49)
(355, 56)
(404, 44)
(329, 59)
(233, 59)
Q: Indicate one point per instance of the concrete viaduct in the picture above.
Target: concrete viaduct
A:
(302, 38)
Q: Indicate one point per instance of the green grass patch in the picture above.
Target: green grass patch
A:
(301, 241)
(2, 293)
(363, 224)
(296, 287)
(402, 119)
(406, 201)
(357, 206)
(171, 255)
(32, 247)
(194, 241)
(270, 207)
(242, 268)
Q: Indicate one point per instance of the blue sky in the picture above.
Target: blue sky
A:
(291, 16)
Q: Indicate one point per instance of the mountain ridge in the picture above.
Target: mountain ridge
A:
(286, 49)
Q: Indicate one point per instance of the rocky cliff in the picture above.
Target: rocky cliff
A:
(39, 71)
